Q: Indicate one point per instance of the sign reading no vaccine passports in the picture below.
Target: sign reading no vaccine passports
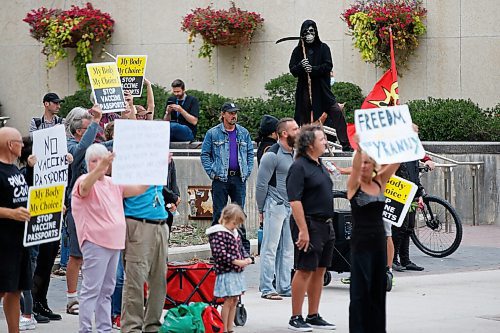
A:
(386, 134)
(132, 69)
(399, 195)
(106, 86)
(45, 204)
(50, 149)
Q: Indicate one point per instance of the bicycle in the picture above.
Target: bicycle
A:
(438, 228)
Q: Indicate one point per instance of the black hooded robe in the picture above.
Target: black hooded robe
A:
(323, 100)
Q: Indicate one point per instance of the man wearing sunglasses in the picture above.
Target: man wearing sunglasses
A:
(51, 104)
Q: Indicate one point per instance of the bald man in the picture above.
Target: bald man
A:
(15, 268)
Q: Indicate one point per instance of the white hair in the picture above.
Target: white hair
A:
(95, 150)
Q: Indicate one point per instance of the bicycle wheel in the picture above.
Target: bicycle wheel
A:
(438, 229)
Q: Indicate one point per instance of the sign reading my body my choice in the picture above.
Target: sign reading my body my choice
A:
(387, 136)
(45, 204)
(132, 69)
(399, 195)
(106, 86)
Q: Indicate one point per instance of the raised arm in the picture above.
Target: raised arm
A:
(150, 100)
(353, 180)
(93, 176)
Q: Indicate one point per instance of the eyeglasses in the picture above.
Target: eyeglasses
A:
(18, 141)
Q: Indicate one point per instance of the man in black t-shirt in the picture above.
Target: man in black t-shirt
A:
(15, 268)
(182, 111)
(309, 189)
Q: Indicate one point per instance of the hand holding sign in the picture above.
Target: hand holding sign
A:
(387, 134)
(21, 214)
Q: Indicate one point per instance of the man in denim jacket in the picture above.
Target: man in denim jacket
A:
(227, 157)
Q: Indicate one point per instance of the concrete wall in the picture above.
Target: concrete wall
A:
(458, 58)
(190, 172)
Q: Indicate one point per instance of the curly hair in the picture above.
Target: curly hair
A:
(305, 139)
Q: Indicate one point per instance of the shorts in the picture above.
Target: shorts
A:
(15, 267)
(387, 228)
(321, 240)
(74, 247)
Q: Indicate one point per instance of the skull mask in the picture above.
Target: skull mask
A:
(309, 34)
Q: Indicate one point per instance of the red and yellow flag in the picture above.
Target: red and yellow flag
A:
(384, 93)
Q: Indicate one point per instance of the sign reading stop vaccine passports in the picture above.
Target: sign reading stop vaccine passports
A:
(386, 134)
(399, 194)
(132, 69)
(106, 86)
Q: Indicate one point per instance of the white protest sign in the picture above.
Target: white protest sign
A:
(399, 194)
(386, 134)
(141, 149)
(50, 149)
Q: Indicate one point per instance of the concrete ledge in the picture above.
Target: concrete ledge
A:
(198, 251)
(459, 147)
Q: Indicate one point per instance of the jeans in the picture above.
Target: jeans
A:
(180, 133)
(236, 190)
(116, 299)
(64, 247)
(276, 249)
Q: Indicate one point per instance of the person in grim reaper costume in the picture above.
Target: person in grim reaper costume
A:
(311, 62)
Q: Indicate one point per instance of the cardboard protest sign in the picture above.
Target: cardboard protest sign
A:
(399, 195)
(132, 69)
(141, 149)
(387, 136)
(45, 204)
(50, 149)
(106, 86)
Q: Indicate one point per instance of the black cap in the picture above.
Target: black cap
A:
(51, 97)
(267, 125)
(229, 107)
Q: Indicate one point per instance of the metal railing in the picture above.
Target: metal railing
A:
(447, 169)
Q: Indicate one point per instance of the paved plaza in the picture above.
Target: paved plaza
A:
(459, 293)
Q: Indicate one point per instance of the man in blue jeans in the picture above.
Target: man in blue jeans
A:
(274, 211)
(182, 111)
(227, 157)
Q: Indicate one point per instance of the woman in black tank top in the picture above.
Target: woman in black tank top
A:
(365, 190)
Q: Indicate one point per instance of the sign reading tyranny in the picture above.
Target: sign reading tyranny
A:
(399, 195)
(45, 204)
(50, 149)
(386, 134)
(106, 86)
(132, 69)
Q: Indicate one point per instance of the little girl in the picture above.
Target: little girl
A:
(230, 258)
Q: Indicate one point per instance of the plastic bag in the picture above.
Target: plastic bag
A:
(184, 319)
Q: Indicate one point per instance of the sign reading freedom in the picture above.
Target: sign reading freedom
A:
(387, 136)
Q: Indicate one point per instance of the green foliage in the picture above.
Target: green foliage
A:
(161, 95)
(79, 98)
(453, 120)
(282, 87)
(351, 95)
(210, 105)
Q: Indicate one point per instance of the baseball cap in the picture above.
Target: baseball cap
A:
(229, 107)
(52, 97)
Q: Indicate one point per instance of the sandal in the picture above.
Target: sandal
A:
(60, 272)
(272, 296)
(73, 308)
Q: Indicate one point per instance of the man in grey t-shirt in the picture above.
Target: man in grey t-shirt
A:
(274, 211)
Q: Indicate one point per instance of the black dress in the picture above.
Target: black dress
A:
(368, 264)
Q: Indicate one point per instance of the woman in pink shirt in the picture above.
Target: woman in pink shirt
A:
(97, 206)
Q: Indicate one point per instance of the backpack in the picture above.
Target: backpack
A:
(212, 320)
(38, 121)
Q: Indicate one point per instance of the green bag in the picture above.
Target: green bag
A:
(184, 319)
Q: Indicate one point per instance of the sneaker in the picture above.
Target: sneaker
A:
(26, 324)
(390, 278)
(297, 323)
(44, 310)
(317, 322)
(413, 267)
(41, 319)
(116, 322)
(396, 266)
